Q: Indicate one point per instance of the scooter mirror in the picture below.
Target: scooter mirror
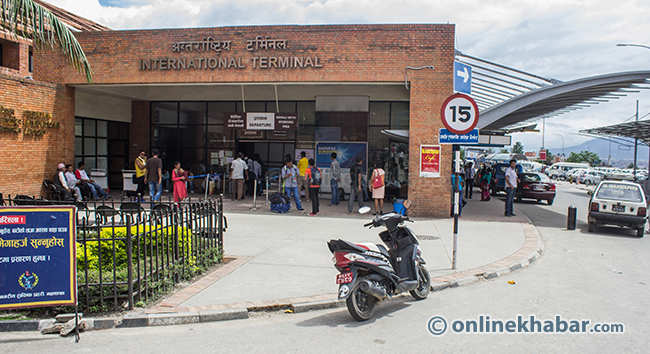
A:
(407, 203)
(364, 210)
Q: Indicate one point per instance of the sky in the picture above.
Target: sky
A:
(561, 39)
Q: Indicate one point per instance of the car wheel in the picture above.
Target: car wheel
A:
(550, 201)
(587, 183)
(592, 227)
(640, 231)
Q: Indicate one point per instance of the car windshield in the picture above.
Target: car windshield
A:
(622, 192)
(530, 177)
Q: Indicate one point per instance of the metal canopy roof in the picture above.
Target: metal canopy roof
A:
(509, 97)
(636, 130)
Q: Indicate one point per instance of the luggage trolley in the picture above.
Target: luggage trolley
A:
(129, 189)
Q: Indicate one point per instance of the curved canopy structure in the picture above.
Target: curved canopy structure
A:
(636, 130)
(561, 97)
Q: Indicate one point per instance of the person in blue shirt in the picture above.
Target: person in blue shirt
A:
(290, 175)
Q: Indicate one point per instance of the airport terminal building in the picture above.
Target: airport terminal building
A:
(200, 95)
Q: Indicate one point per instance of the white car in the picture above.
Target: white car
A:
(591, 177)
(620, 203)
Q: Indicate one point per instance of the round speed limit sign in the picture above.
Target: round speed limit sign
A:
(459, 114)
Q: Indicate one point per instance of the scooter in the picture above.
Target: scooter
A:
(372, 272)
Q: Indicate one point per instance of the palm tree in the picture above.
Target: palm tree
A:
(27, 19)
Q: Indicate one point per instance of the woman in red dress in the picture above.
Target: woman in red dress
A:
(179, 176)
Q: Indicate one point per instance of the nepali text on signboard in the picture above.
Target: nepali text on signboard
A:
(37, 257)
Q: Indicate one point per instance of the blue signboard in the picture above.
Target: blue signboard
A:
(346, 152)
(37, 257)
(462, 78)
(446, 137)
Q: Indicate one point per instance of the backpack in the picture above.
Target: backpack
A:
(316, 178)
(279, 198)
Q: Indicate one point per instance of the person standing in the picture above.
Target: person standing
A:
(290, 175)
(303, 184)
(254, 173)
(511, 186)
(377, 186)
(356, 173)
(335, 178)
(140, 171)
(179, 176)
(469, 179)
(153, 176)
(313, 177)
(485, 178)
(238, 171)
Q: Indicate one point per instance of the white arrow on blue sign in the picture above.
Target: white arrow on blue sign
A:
(462, 78)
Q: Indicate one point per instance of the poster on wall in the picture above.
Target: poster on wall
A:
(346, 152)
(430, 161)
(37, 257)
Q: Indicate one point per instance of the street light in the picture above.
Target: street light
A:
(632, 45)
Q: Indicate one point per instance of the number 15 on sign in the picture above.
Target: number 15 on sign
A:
(459, 114)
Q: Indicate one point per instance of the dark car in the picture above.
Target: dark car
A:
(499, 177)
(533, 185)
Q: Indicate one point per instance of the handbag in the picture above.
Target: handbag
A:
(376, 182)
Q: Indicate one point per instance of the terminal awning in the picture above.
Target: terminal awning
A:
(636, 130)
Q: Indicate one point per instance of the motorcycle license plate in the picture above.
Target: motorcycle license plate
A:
(344, 278)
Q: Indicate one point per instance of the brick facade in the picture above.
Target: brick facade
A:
(29, 159)
(338, 54)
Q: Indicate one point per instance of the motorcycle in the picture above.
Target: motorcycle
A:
(371, 272)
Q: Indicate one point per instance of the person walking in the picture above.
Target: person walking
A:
(238, 171)
(378, 187)
(140, 171)
(335, 178)
(303, 184)
(290, 175)
(153, 176)
(356, 174)
(469, 179)
(485, 178)
(511, 187)
(313, 177)
(179, 177)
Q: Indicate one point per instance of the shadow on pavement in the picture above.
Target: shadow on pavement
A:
(343, 317)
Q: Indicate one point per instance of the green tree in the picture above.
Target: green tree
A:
(27, 19)
(517, 148)
(504, 151)
(585, 156)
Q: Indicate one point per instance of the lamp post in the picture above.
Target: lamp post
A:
(636, 141)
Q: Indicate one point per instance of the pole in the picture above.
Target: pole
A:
(636, 141)
(543, 131)
(266, 189)
(254, 194)
(207, 185)
(456, 150)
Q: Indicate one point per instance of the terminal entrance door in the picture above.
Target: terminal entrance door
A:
(272, 153)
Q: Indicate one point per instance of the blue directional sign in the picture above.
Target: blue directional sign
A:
(462, 78)
(447, 137)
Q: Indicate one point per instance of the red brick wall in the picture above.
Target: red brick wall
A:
(28, 159)
(348, 53)
(139, 131)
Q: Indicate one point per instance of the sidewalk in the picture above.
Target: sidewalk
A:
(283, 259)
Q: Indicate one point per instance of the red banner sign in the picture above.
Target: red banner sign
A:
(429, 161)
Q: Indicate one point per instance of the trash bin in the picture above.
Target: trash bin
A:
(100, 176)
(398, 206)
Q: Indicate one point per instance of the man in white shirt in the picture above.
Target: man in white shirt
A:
(73, 182)
(95, 188)
(238, 169)
(511, 186)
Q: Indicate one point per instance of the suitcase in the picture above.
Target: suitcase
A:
(281, 208)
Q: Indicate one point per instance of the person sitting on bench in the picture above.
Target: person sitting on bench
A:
(95, 188)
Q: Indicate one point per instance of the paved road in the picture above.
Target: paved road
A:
(601, 277)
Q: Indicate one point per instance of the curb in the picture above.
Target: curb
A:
(530, 252)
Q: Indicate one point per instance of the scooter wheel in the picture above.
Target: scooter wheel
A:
(424, 284)
(361, 305)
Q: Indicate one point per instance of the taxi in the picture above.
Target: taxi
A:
(621, 203)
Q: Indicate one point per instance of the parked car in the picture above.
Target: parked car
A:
(533, 185)
(499, 178)
(620, 203)
(574, 174)
(557, 170)
(591, 177)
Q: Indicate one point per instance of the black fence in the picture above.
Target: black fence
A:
(130, 252)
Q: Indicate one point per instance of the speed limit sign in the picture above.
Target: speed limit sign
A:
(459, 114)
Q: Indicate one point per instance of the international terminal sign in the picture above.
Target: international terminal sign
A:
(37, 257)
